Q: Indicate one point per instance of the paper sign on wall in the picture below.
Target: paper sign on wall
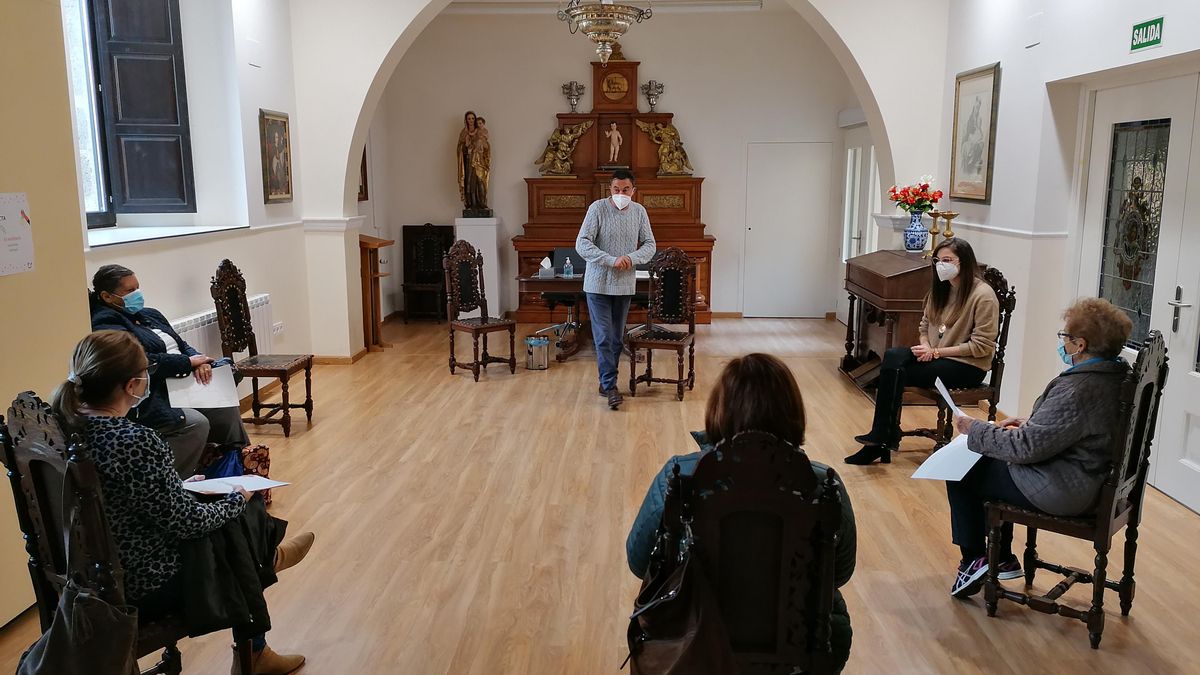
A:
(16, 234)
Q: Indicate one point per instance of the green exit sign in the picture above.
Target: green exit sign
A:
(1146, 35)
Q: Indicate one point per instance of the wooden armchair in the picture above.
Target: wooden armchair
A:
(463, 267)
(765, 531)
(990, 390)
(1119, 505)
(424, 286)
(672, 302)
(237, 334)
(39, 456)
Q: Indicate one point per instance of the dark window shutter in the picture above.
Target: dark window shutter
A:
(139, 53)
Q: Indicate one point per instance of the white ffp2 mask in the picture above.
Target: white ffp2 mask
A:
(621, 201)
(946, 271)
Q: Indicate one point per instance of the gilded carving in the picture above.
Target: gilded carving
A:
(672, 158)
(564, 202)
(556, 158)
(662, 201)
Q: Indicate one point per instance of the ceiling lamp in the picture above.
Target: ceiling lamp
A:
(604, 22)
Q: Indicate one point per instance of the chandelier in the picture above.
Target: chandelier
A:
(604, 22)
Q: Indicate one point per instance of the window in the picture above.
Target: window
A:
(125, 62)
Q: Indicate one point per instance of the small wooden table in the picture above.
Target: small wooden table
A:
(571, 341)
(368, 251)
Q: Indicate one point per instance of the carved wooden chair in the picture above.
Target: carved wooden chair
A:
(424, 286)
(765, 531)
(1119, 505)
(38, 456)
(672, 302)
(463, 267)
(237, 335)
(989, 390)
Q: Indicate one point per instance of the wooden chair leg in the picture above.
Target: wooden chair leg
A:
(1128, 585)
(1095, 615)
(633, 370)
(1030, 560)
(512, 350)
(170, 663)
(691, 366)
(308, 402)
(287, 410)
(649, 368)
(991, 584)
(452, 362)
(255, 401)
(475, 364)
(679, 380)
(244, 650)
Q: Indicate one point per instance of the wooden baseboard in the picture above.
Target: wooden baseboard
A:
(726, 315)
(398, 314)
(339, 360)
(263, 392)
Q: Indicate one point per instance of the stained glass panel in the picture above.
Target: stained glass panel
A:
(1137, 174)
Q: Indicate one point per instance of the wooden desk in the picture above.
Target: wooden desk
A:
(887, 298)
(573, 286)
(368, 256)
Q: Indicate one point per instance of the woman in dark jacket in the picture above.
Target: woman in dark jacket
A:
(117, 304)
(1054, 461)
(755, 392)
(149, 513)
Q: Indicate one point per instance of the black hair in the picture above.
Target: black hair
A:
(940, 292)
(624, 174)
(106, 280)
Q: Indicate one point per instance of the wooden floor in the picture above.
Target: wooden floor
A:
(480, 528)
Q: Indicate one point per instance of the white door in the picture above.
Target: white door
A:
(860, 198)
(787, 244)
(1141, 245)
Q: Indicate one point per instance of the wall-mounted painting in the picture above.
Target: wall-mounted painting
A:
(363, 195)
(973, 145)
(276, 142)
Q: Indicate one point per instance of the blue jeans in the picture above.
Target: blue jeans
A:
(607, 314)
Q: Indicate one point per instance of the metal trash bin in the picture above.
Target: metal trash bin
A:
(537, 352)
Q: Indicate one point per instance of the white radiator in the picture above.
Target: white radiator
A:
(200, 330)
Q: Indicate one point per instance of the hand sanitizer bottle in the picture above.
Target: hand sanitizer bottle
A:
(568, 269)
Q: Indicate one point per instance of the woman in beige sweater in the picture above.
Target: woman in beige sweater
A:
(958, 338)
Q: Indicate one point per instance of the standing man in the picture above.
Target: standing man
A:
(615, 236)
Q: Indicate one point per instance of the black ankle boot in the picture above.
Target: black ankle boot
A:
(869, 454)
(869, 438)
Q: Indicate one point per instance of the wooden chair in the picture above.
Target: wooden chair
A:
(38, 456)
(990, 390)
(672, 302)
(424, 286)
(1119, 505)
(237, 334)
(765, 531)
(463, 267)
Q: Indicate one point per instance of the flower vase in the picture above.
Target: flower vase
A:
(916, 236)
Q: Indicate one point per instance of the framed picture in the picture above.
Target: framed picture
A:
(362, 179)
(973, 145)
(276, 142)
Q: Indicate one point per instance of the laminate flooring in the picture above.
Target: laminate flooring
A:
(472, 528)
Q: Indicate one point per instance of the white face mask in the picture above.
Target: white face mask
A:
(946, 270)
(621, 201)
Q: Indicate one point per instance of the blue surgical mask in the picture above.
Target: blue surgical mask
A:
(145, 394)
(1062, 353)
(134, 301)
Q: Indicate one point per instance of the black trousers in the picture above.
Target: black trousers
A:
(988, 480)
(901, 369)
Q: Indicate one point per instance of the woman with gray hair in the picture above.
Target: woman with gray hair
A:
(1055, 460)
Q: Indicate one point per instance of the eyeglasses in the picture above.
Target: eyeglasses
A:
(1063, 335)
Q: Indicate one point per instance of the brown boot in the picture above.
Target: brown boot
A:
(267, 662)
(293, 550)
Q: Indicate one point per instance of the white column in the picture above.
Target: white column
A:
(334, 285)
(482, 233)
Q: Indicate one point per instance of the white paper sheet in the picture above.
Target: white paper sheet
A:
(952, 462)
(186, 392)
(641, 274)
(223, 486)
(946, 395)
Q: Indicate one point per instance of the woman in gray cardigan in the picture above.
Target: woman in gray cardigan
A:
(1054, 461)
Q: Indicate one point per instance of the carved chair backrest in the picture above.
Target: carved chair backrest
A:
(39, 456)
(1141, 391)
(424, 247)
(463, 267)
(765, 529)
(233, 310)
(1007, 297)
(672, 289)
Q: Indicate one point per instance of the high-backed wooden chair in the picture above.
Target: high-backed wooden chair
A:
(424, 286)
(463, 267)
(1119, 505)
(765, 530)
(237, 335)
(672, 302)
(39, 456)
(989, 390)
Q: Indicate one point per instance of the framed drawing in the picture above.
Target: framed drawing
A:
(973, 145)
(276, 141)
(362, 178)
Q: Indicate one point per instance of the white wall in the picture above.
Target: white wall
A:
(781, 84)
(379, 207)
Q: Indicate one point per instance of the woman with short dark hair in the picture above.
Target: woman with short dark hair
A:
(1056, 460)
(957, 340)
(756, 392)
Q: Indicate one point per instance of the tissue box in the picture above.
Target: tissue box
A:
(545, 272)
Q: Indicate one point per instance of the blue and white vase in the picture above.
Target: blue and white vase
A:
(916, 235)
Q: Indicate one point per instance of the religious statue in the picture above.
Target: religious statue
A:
(556, 158)
(672, 158)
(614, 142)
(474, 166)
